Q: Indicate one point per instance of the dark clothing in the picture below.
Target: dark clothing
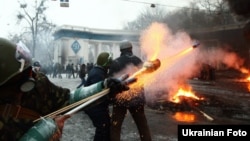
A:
(89, 66)
(99, 111)
(137, 112)
(117, 66)
(44, 99)
(82, 74)
(121, 62)
(132, 100)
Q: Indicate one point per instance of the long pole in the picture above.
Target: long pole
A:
(154, 65)
(73, 105)
(101, 94)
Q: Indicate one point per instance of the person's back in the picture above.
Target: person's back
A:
(82, 72)
(133, 99)
(99, 110)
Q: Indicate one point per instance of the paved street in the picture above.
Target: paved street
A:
(163, 123)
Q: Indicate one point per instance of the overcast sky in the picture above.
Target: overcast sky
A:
(101, 14)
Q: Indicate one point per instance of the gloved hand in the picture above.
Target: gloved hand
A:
(59, 120)
(116, 85)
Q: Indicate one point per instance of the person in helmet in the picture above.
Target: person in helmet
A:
(98, 112)
(132, 100)
(26, 95)
(36, 66)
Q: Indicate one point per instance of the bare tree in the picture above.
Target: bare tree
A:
(217, 11)
(200, 14)
(35, 18)
(46, 43)
(186, 18)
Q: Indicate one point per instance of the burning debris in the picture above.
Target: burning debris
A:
(212, 102)
(180, 62)
(182, 102)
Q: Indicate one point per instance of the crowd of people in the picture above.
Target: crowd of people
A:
(28, 96)
(70, 70)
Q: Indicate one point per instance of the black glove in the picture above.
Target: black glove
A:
(117, 85)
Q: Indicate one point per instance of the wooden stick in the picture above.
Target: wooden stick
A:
(154, 65)
(103, 93)
(64, 109)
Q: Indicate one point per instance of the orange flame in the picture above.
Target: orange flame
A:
(248, 80)
(154, 46)
(244, 70)
(186, 93)
(184, 117)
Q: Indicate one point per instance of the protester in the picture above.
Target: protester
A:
(99, 111)
(72, 70)
(36, 66)
(89, 66)
(26, 95)
(82, 75)
(133, 100)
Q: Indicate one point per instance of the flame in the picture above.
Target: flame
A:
(248, 84)
(184, 117)
(152, 40)
(185, 93)
(247, 79)
(174, 58)
(244, 70)
(155, 45)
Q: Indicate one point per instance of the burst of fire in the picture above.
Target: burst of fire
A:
(153, 44)
(184, 117)
(247, 79)
(185, 93)
(244, 70)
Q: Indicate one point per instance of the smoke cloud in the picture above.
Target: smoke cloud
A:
(240, 7)
(179, 61)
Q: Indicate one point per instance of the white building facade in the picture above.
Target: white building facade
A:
(79, 45)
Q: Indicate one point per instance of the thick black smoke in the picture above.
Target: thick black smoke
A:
(240, 7)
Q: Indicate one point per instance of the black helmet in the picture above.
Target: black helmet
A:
(104, 59)
(36, 64)
(125, 45)
(13, 59)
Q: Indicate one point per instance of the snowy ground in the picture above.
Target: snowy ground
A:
(79, 127)
(162, 123)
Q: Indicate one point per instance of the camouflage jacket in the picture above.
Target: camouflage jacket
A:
(45, 98)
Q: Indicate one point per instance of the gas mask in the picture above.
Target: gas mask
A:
(29, 84)
(23, 56)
